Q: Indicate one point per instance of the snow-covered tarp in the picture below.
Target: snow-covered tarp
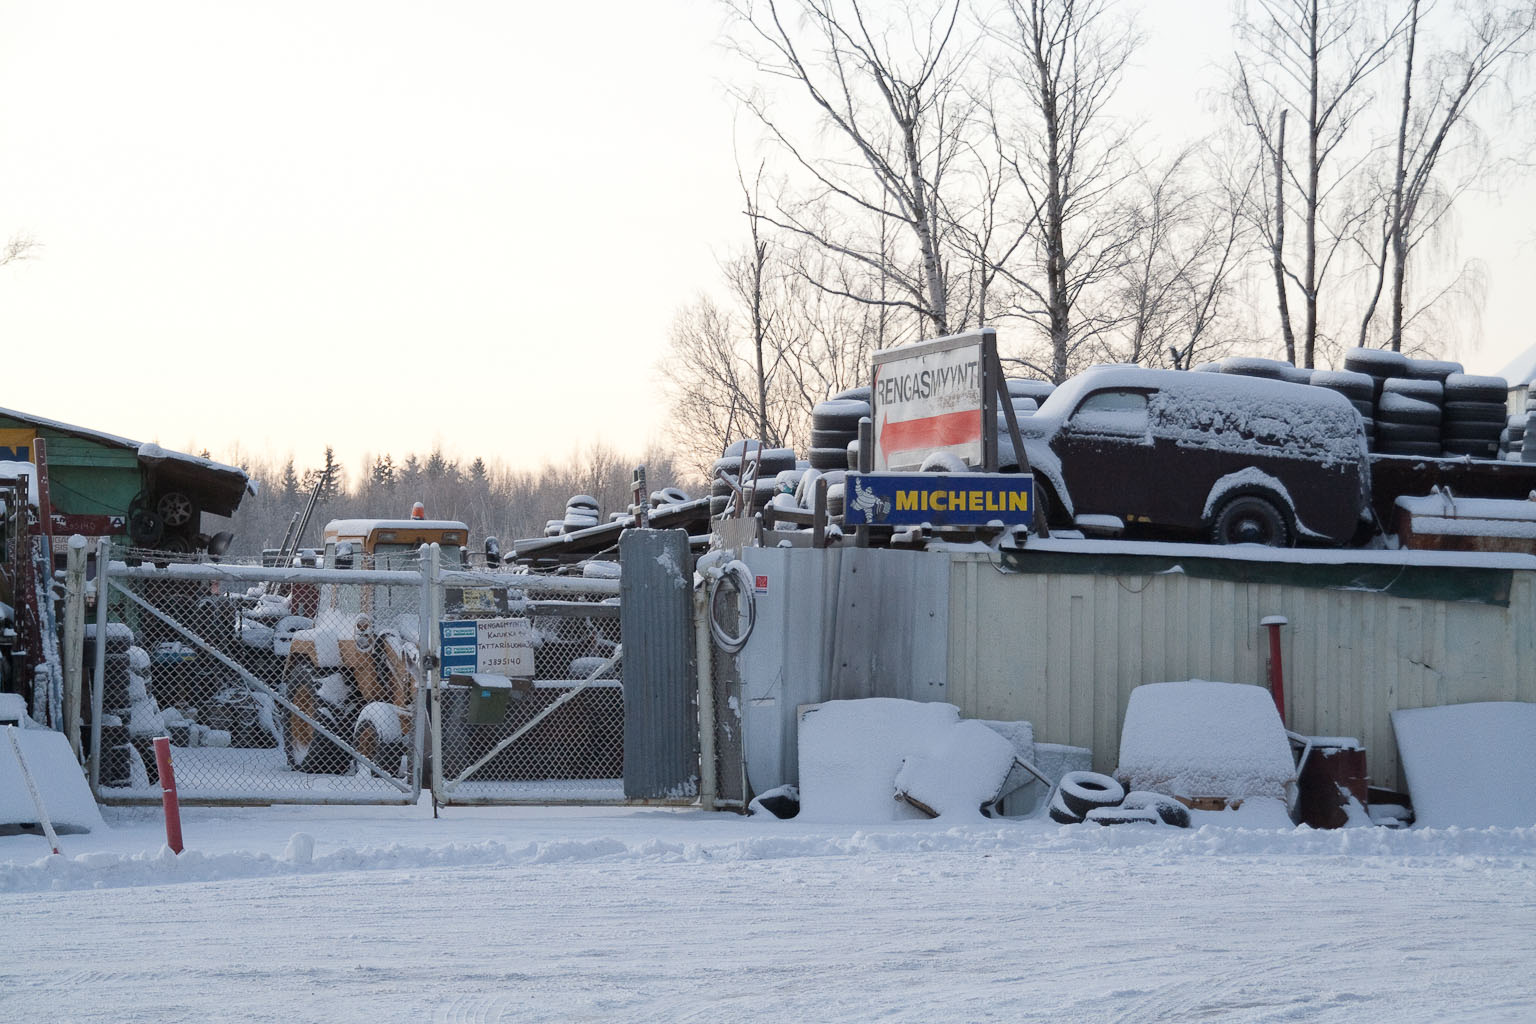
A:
(1205, 739)
(56, 775)
(1469, 765)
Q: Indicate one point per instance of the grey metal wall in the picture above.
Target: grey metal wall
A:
(836, 623)
(661, 727)
(1064, 651)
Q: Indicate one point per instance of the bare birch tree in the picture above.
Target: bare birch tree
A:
(886, 94)
(1065, 58)
(1434, 128)
(1304, 64)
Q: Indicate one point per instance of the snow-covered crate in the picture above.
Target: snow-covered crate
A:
(1443, 522)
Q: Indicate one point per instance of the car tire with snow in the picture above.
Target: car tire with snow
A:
(1081, 792)
(1060, 813)
(307, 749)
(1123, 816)
(1251, 519)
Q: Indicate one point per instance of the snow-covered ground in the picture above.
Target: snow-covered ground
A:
(628, 914)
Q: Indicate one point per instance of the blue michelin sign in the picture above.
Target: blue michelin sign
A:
(939, 499)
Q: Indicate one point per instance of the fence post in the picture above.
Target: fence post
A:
(704, 649)
(99, 670)
(431, 593)
(74, 638)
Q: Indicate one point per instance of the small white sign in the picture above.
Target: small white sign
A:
(505, 647)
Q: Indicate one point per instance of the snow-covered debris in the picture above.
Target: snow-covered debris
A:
(1205, 739)
(966, 769)
(1469, 765)
(60, 783)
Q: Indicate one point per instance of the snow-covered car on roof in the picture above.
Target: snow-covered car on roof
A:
(1233, 459)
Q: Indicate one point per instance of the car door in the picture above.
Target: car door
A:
(1105, 447)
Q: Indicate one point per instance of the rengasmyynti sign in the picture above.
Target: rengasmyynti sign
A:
(929, 397)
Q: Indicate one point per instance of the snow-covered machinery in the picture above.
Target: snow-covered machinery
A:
(355, 669)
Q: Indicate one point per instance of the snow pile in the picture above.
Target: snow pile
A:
(1470, 765)
(853, 753)
(1199, 738)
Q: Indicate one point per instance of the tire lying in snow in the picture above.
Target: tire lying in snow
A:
(1123, 816)
(1081, 792)
(1061, 813)
(1168, 809)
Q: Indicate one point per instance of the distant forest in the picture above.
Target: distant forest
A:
(491, 498)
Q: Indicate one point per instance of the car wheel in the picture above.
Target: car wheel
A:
(175, 508)
(1250, 519)
(309, 750)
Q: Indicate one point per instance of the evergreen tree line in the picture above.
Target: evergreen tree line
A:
(492, 498)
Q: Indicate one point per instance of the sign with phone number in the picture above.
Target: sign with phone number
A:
(500, 646)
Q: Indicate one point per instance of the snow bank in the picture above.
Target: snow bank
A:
(1199, 738)
(1469, 765)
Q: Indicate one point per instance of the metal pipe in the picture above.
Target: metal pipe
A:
(703, 652)
(99, 670)
(1276, 670)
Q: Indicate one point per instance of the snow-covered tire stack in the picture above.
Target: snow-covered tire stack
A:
(1378, 364)
(1359, 388)
(581, 512)
(1088, 796)
(737, 461)
(1512, 440)
(1408, 417)
(835, 425)
(1528, 452)
(1476, 412)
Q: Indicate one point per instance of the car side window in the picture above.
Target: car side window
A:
(1114, 412)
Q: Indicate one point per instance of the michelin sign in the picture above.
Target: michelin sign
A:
(938, 499)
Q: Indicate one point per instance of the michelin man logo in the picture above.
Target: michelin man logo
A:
(874, 507)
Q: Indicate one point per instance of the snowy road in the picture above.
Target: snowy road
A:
(623, 915)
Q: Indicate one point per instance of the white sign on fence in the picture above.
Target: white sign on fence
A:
(500, 646)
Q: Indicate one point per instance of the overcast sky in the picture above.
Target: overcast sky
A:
(386, 226)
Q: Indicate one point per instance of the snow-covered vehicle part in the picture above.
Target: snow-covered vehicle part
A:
(1081, 792)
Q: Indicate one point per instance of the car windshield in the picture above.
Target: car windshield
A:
(390, 603)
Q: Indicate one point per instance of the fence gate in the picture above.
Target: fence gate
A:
(275, 685)
(556, 734)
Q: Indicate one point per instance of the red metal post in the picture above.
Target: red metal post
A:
(1276, 670)
(168, 794)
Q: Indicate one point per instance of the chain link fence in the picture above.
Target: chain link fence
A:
(354, 684)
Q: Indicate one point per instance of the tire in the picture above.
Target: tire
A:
(1345, 382)
(1463, 411)
(307, 750)
(1377, 362)
(1081, 792)
(821, 438)
(1251, 519)
(1168, 809)
(1431, 391)
(839, 414)
(1268, 369)
(1465, 387)
(1417, 449)
(1433, 369)
(826, 459)
(1391, 432)
(1403, 410)
(1123, 816)
(1061, 813)
(860, 393)
(145, 528)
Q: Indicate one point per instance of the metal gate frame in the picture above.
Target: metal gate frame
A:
(438, 581)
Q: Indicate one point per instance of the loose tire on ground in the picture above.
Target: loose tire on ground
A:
(1061, 813)
(1081, 792)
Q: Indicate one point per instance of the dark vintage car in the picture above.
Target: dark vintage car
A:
(1227, 458)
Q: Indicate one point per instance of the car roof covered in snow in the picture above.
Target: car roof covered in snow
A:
(348, 528)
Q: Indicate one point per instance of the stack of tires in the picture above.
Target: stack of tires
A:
(1408, 417)
(1476, 413)
(1528, 453)
(1089, 796)
(1359, 388)
(753, 466)
(581, 512)
(1377, 363)
(834, 426)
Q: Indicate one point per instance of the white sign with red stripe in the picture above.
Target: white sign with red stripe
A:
(928, 398)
